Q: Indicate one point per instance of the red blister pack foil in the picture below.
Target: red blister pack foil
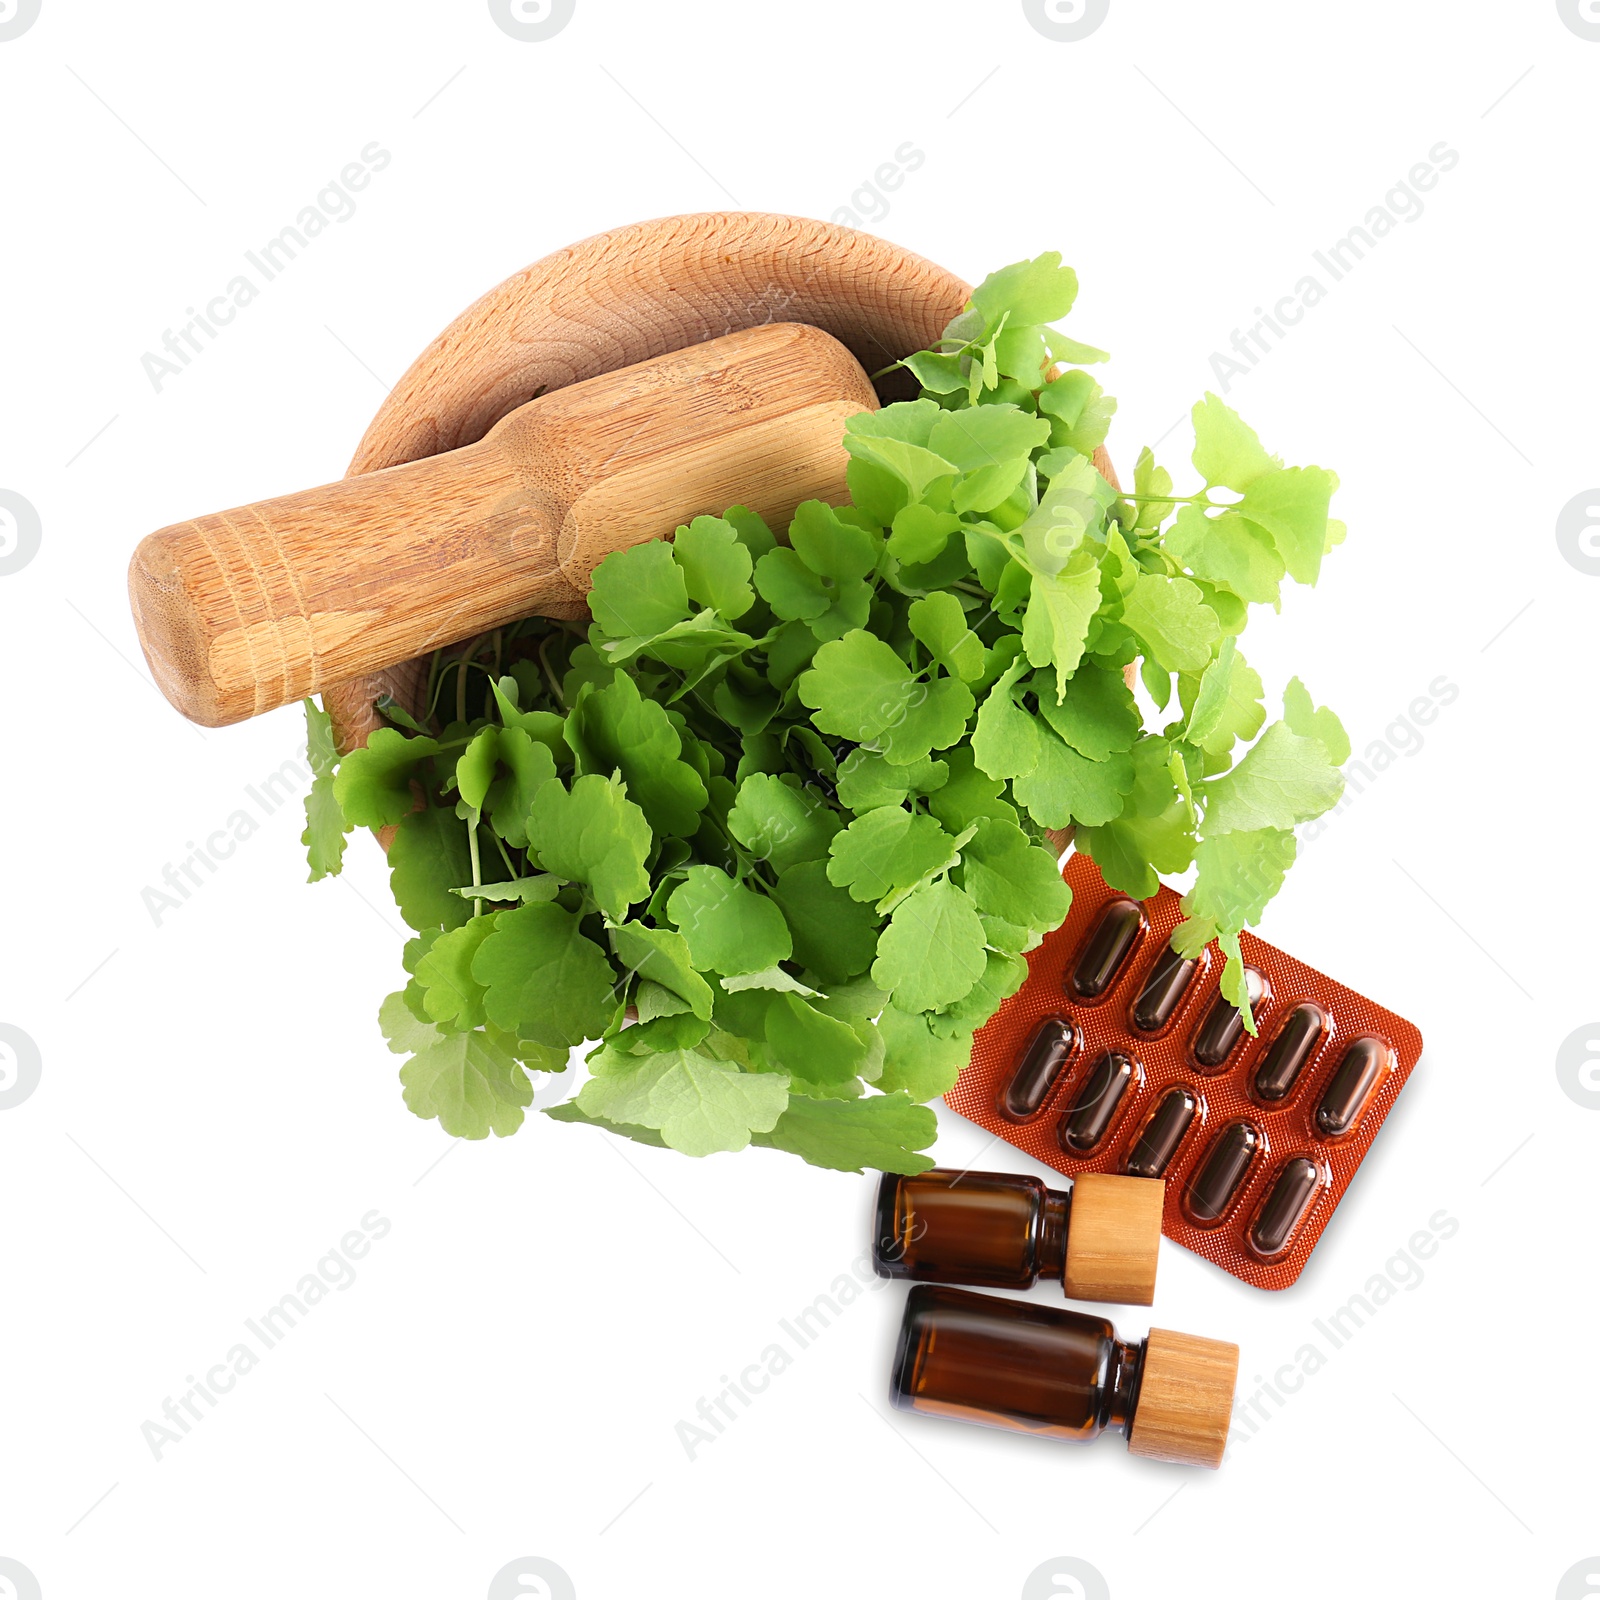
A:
(1258, 1228)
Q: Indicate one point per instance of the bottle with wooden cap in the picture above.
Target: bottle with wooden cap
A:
(1063, 1374)
(1003, 1230)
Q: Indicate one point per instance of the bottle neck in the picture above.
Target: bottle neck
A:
(1121, 1394)
(1052, 1237)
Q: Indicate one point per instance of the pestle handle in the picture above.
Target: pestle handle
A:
(245, 610)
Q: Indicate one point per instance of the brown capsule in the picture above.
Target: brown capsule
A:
(1085, 1123)
(1222, 1173)
(1223, 1025)
(1285, 1058)
(1365, 1065)
(1155, 1147)
(1286, 1205)
(1107, 948)
(1036, 1073)
(1163, 992)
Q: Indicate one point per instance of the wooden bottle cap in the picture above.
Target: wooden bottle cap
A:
(1185, 1399)
(1112, 1237)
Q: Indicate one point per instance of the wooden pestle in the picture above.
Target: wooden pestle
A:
(246, 610)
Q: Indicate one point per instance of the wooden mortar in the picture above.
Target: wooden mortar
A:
(625, 296)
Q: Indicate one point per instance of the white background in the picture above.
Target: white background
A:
(216, 1107)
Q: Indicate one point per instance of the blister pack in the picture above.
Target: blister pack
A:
(1118, 1055)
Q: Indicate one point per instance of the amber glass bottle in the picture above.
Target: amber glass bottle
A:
(1063, 1374)
(1006, 1231)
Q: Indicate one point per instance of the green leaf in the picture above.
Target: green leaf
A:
(1157, 682)
(1227, 705)
(1014, 884)
(968, 794)
(790, 587)
(1065, 787)
(450, 994)
(428, 860)
(781, 823)
(1154, 482)
(1176, 626)
(989, 488)
(1088, 429)
(543, 978)
(1226, 449)
(1003, 974)
(661, 955)
(810, 1045)
(406, 1026)
(1282, 779)
(866, 781)
(543, 727)
(326, 826)
(1041, 290)
(1056, 532)
(914, 466)
(932, 952)
(752, 531)
(593, 835)
(886, 1132)
(1154, 833)
(693, 648)
(1005, 742)
(1292, 505)
(1098, 717)
(831, 547)
(475, 767)
(698, 1104)
(680, 1031)
(875, 490)
(774, 978)
(1237, 874)
(716, 566)
(917, 1060)
(746, 702)
(1315, 722)
(1063, 348)
(941, 624)
(1020, 352)
(618, 731)
(834, 936)
(373, 784)
(921, 533)
(650, 1000)
(1067, 396)
(861, 690)
(1060, 609)
(571, 1111)
(472, 1083)
(1229, 552)
(1235, 986)
(1191, 937)
(888, 849)
(940, 373)
(527, 891)
(639, 592)
(527, 765)
(985, 436)
(728, 928)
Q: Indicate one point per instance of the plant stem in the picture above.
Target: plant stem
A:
(549, 675)
(505, 855)
(472, 850)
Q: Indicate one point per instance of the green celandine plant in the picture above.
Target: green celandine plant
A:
(772, 829)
